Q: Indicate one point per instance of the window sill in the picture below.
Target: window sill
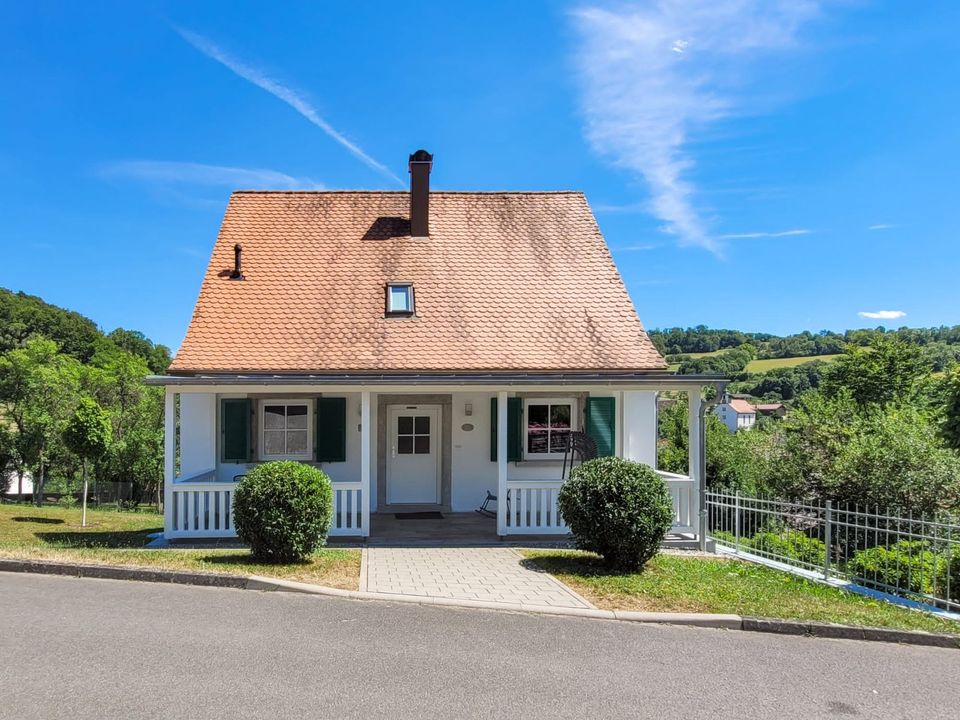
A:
(540, 462)
(277, 458)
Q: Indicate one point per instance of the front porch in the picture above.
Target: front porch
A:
(384, 458)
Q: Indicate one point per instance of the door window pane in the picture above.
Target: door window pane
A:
(405, 444)
(405, 424)
(421, 444)
(422, 425)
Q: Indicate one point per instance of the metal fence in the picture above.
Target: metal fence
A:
(910, 556)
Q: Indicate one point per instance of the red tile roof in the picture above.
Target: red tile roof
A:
(742, 407)
(506, 281)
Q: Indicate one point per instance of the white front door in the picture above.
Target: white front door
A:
(413, 454)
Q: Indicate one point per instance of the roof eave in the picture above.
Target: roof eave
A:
(480, 379)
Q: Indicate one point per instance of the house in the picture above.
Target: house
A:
(736, 414)
(13, 487)
(772, 409)
(422, 348)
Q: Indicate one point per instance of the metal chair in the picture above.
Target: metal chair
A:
(579, 445)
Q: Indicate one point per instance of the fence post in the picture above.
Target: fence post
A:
(736, 519)
(828, 521)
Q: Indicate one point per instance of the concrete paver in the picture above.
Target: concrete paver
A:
(469, 573)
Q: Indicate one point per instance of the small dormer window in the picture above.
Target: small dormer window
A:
(400, 299)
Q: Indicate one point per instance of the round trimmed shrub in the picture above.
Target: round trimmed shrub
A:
(617, 508)
(283, 510)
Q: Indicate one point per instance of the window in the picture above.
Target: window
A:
(413, 435)
(548, 425)
(285, 429)
(400, 299)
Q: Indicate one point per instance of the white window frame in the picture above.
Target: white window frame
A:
(411, 300)
(574, 424)
(286, 402)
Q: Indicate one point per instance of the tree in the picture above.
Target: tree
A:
(38, 386)
(950, 428)
(886, 372)
(87, 434)
(136, 414)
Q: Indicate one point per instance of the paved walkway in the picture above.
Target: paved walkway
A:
(486, 574)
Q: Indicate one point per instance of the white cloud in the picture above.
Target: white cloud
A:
(652, 76)
(782, 233)
(882, 314)
(639, 247)
(188, 173)
(291, 97)
(879, 226)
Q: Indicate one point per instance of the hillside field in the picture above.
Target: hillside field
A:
(757, 366)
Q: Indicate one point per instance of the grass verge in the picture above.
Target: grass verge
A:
(118, 538)
(679, 583)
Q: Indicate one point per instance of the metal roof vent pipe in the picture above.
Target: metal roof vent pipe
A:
(421, 162)
(237, 273)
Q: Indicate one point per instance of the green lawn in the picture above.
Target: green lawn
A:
(118, 538)
(679, 583)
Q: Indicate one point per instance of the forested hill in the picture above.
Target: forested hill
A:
(24, 316)
(701, 339)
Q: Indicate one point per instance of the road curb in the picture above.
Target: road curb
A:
(265, 584)
(115, 572)
(849, 632)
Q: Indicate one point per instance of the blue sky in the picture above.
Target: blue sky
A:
(769, 165)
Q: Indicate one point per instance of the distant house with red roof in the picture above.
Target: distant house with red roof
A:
(736, 414)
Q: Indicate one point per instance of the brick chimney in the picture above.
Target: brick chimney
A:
(421, 163)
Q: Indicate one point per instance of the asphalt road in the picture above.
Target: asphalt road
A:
(112, 649)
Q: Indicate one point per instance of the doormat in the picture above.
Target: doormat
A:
(428, 515)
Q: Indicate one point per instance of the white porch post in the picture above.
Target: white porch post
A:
(169, 457)
(502, 463)
(365, 493)
(693, 443)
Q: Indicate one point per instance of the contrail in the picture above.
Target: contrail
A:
(288, 95)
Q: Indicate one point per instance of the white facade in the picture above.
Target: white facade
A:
(736, 417)
(388, 466)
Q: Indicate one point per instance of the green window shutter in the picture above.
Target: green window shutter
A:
(235, 429)
(514, 429)
(602, 424)
(331, 429)
(514, 423)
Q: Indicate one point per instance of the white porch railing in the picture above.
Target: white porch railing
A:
(532, 506)
(684, 495)
(203, 508)
(351, 511)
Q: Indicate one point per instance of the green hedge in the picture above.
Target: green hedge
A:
(283, 510)
(617, 508)
(791, 544)
(908, 564)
